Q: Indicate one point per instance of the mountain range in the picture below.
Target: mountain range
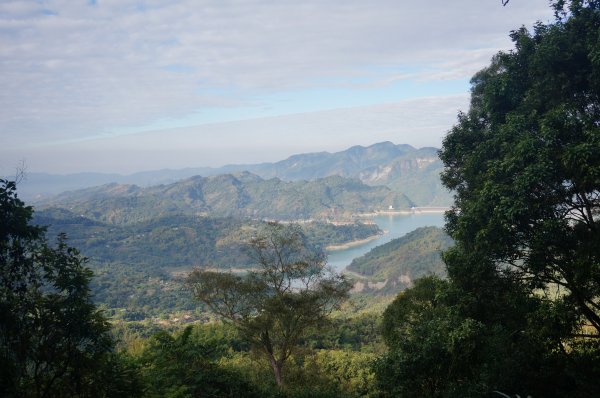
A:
(241, 195)
(147, 228)
(402, 168)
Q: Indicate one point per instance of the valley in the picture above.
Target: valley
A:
(218, 231)
(142, 240)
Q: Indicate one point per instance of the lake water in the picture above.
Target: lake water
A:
(395, 226)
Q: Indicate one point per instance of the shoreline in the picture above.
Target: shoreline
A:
(415, 211)
(354, 243)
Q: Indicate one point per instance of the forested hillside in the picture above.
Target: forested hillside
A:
(394, 266)
(99, 296)
(181, 240)
(139, 266)
(242, 195)
(402, 168)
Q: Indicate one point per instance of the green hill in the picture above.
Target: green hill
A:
(139, 265)
(410, 171)
(395, 265)
(242, 195)
(179, 240)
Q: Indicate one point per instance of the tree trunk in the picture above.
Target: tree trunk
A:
(277, 365)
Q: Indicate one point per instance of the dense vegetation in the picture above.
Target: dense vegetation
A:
(213, 359)
(167, 241)
(139, 267)
(399, 262)
(53, 341)
(180, 240)
(519, 314)
(242, 195)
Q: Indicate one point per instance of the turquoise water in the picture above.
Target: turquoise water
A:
(395, 226)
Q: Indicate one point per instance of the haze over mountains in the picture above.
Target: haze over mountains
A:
(240, 195)
(409, 172)
(148, 227)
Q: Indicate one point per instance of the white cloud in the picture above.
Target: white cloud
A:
(70, 70)
(419, 122)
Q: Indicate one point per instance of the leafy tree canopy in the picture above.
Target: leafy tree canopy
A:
(430, 344)
(520, 313)
(525, 165)
(182, 366)
(274, 305)
(53, 340)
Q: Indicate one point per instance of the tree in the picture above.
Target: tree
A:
(53, 341)
(439, 346)
(520, 313)
(183, 366)
(274, 305)
(525, 165)
(430, 345)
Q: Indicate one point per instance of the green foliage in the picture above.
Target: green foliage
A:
(168, 241)
(215, 359)
(179, 240)
(354, 332)
(320, 373)
(525, 163)
(118, 377)
(275, 305)
(405, 259)
(242, 195)
(137, 267)
(440, 346)
(430, 345)
(134, 292)
(184, 365)
(519, 314)
(350, 371)
(53, 341)
(326, 234)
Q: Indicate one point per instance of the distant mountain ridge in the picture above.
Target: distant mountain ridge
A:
(241, 195)
(350, 163)
(402, 168)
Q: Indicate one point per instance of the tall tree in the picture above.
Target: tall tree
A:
(53, 340)
(289, 292)
(430, 345)
(520, 314)
(525, 165)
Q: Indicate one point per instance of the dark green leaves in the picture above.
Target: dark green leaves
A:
(273, 305)
(53, 341)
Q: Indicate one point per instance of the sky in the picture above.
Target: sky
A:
(129, 85)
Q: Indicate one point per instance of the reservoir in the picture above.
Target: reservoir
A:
(395, 226)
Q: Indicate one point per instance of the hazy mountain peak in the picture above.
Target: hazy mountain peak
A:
(414, 172)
